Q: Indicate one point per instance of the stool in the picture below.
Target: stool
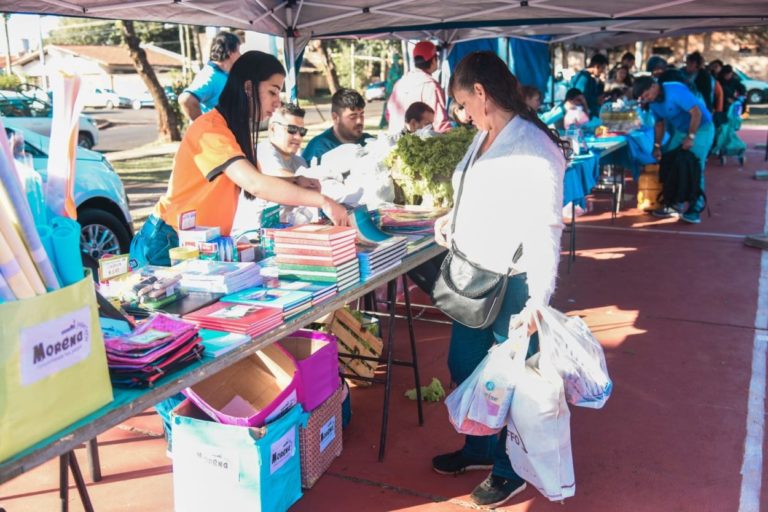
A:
(612, 182)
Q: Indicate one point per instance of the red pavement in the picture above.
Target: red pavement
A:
(674, 306)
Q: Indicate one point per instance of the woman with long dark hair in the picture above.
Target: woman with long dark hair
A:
(512, 196)
(217, 158)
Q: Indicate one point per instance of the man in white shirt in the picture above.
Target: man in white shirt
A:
(276, 156)
(418, 85)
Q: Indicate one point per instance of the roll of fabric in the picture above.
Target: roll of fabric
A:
(46, 237)
(12, 274)
(19, 252)
(6, 294)
(68, 259)
(18, 209)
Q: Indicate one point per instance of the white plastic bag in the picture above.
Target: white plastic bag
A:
(460, 401)
(569, 346)
(538, 430)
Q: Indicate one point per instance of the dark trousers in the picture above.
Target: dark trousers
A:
(467, 349)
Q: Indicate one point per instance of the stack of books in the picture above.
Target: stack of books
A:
(217, 343)
(240, 318)
(160, 345)
(377, 251)
(381, 257)
(320, 291)
(319, 253)
(416, 223)
(217, 276)
(290, 302)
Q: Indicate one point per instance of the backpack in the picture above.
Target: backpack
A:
(680, 177)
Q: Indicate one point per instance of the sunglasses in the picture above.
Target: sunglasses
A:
(292, 129)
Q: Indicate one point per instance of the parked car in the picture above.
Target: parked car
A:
(757, 90)
(105, 98)
(145, 99)
(102, 204)
(376, 91)
(33, 113)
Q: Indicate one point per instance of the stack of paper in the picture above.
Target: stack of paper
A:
(239, 318)
(160, 345)
(290, 302)
(318, 253)
(410, 219)
(217, 276)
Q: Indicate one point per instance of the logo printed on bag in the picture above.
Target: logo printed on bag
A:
(55, 345)
(211, 464)
(514, 436)
(327, 433)
(282, 450)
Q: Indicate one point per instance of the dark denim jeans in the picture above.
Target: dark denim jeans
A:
(468, 348)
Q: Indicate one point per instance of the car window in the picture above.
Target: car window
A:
(28, 148)
(39, 108)
(14, 108)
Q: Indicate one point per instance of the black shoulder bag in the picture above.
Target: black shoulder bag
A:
(465, 291)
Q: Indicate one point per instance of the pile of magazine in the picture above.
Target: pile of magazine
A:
(315, 252)
(160, 345)
(416, 223)
(320, 291)
(377, 251)
(290, 302)
(217, 276)
(238, 318)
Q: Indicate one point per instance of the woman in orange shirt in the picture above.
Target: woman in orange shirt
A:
(217, 158)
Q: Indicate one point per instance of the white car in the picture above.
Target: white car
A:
(105, 98)
(35, 114)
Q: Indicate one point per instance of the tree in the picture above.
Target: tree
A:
(166, 119)
(84, 31)
(329, 68)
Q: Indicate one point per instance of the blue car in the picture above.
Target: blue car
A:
(102, 204)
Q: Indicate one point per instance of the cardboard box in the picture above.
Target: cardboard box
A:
(227, 467)
(316, 357)
(252, 392)
(321, 440)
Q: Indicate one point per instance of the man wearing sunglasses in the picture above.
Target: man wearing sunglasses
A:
(277, 156)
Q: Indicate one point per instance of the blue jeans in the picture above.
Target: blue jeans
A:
(467, 349)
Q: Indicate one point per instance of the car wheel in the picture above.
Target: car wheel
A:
(755, 96)
(102, 233)
(109, 105)
(136, 104)
(85, 140)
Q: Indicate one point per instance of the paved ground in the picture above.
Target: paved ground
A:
(675, 307)
(127, 129)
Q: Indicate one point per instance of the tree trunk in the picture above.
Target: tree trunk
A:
(329, 68)
(167, 124)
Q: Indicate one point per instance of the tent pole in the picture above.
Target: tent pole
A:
(290, 41)
(552, 74)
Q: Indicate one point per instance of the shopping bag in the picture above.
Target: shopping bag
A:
(538, 430)
(479, 405)
(569, 346)
(492, 394)
(53, 369)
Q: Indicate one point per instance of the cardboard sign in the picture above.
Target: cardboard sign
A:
(327, 433)
(282, 450)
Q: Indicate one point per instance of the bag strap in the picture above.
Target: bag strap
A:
(518, 253)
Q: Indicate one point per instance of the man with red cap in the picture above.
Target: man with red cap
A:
(418, 85)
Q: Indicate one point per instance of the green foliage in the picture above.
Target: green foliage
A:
(423, 168)
(84, 31)
(9, 82)
(432, 393)
(365, 71)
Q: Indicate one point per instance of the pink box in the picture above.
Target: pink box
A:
(317, 358)
(252, 392)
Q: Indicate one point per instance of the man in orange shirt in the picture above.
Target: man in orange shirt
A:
(217, 158)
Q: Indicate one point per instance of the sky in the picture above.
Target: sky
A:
(27, 26)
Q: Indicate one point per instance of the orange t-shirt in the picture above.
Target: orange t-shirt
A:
(198, 181)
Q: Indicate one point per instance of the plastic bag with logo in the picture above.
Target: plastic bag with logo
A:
(572, 350)
(480, 404)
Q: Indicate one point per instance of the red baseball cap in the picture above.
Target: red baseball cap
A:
(425, 50)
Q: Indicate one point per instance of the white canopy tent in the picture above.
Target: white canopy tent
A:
(593, 23)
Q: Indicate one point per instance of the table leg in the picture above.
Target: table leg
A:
(414, 359)
(92, 449)
(64, 482)
(391, 297)
(80, 482)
